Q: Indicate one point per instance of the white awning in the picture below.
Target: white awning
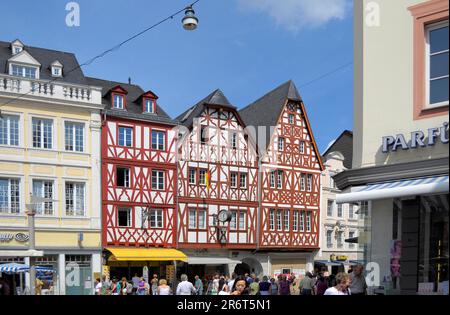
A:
(396, 189)
(210, 261)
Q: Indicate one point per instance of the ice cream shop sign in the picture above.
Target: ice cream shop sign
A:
(417, 139)
(8, 237)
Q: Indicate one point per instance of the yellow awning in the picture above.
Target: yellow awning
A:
(146, 254)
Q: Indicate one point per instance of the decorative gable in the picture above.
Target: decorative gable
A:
(118, 97)
(56, 69)
(148, 100)
(25, 58)
(24, 65)
(16, 47)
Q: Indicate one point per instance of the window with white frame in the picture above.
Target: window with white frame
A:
(202, 177)
(156, 218)
(197, 219)
(330, 206)
(329, 238)
(9, 130)
(280, 144)
(44, 189)
(74, 133)
(56, 71)
(280, 220)
(233, 221)
(158, 140)
(280, 179)
(242, 220)
(302, 221)
(295, 221)
(202, 219)
(302, 182)
(233, 179)
(340, 241)
(192, 176)
(149, 106)
(75, 202)
(350, 211)
(351, 234)
(125, 136)
(286, 220)
(118, 101)
(234, 140)
(272, 219)
(9, 195)
(340, 210)
(272, 179)
(438, 65)
(243, 180)
(302, 147)
(309, 182)
(291, 119)
(42, 133)
(308, 221)
(123, 177)
(158, 180)
(124, 218)
(23, 71)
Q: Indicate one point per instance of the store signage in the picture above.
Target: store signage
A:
(8, 237)
(417, 139)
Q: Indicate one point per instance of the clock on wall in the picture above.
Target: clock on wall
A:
(224, 216)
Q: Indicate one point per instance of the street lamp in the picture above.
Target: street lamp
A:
(190, 21)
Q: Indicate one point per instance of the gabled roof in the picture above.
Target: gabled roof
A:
(344, 145)
(133, 107)
(266, 112)
(46, 57)
(24, 57)
(216, 98)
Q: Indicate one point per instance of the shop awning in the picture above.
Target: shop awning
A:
(210, 261)
(330, 263)
(146, 254)
(397, 189)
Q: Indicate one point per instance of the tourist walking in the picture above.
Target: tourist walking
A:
(321, 284)
(223, 287)
(240, 286)
(185, 287)
(198, 284)
(135, 281)
(273, 287)
(163, 288)
(115, 287)
(283, 286)
(254, 287)
(154, 284)
(264, 286)
(342, 285)
(307, 284)
(141, 287)
(358, 284)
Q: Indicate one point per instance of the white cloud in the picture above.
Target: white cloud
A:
(297, 14)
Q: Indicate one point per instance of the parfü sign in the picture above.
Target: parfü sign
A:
(418, 139)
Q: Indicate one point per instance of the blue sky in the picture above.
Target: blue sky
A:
(244, 47)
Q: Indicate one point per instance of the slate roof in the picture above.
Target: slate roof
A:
(46, 57)
(133, 104)
(266, 110)
(216, 98)
(344, 145)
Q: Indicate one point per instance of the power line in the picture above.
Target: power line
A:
(326, 74)
(114, 48)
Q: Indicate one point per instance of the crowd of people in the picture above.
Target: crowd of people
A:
(316, 283)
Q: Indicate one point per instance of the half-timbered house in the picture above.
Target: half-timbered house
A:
(217, 187)
(290, 169)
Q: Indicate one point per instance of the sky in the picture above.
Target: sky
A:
(244, 47)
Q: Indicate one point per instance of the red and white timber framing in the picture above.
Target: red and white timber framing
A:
(141, 160)
(291, 184)
(227, 153)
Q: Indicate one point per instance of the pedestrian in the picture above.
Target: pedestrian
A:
(154, 283)
(358, 284)
(283, 286)
(141, 287)
(163, 288)
(215, 285)
(223, 287)
(115, 287)
(38, 287)
(273, 287)
(185, 287)
(254, 287)
(264, 286)
(198, 285)
(106, 286)
(321, 284)
(294, 285)
(98, 287)
(248, 278)
(307, 284)
(240, 286)
(231, 281)
(136, 281)
(342, 285)
(123, 286)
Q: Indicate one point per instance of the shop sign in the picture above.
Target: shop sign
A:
(417, 139)
(8, 237)
(341, 258)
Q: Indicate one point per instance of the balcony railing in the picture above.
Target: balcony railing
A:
(56, 90)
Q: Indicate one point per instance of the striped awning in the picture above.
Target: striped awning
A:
(19, 268)
(396, 189)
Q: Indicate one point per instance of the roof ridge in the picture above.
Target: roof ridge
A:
(268, 94)
(41, 48)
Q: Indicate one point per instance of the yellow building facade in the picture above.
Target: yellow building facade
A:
(50, 148)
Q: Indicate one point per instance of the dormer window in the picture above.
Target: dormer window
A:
(149, 106)
(17, 50)
(23, 71)
(56, 69)
(118, 101)
(16, 47)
